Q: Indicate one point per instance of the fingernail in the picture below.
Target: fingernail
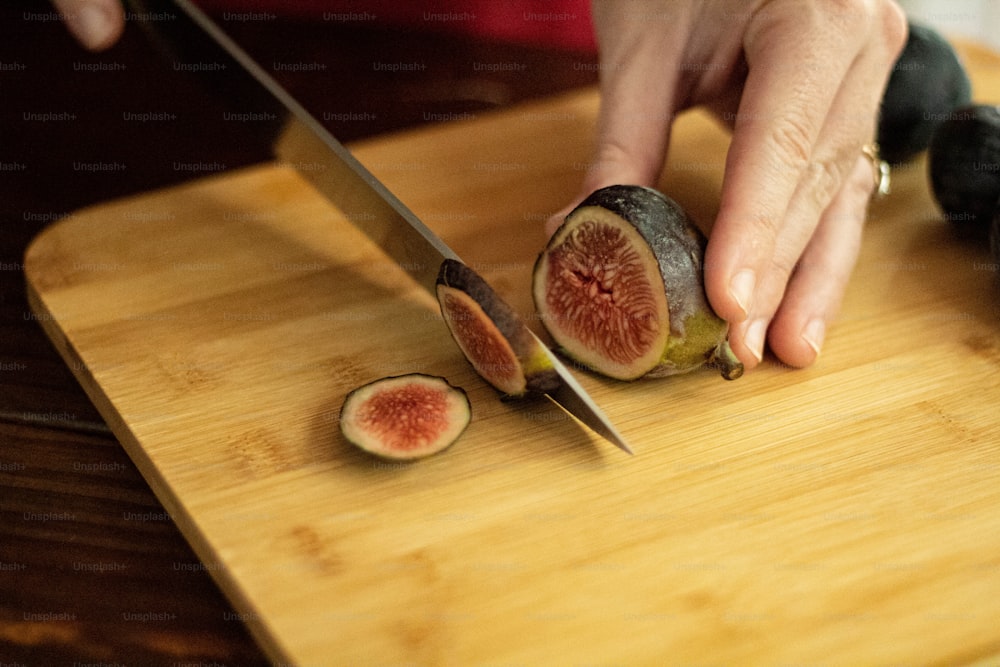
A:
(813, 334)
(92, 26)
(754, 338)
(741, 289)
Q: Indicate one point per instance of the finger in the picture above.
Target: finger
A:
(777, 124)
(796, 63)
(812, 295)
(747, 281)
(815, 290)
(637, 107)
(849, 125)
(836, 155)
(96, 24)
(636, 89)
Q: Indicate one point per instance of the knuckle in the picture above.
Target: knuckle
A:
(894, 27)
(851, 15)
(610, 155)
(883, 20)
(793, 139)
(780, 272)
(763, 229)
(861, 180)
(847, 8)
(822, 180)
(616, 161)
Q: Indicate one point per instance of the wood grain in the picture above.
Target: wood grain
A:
(843, 514)
(42, 407)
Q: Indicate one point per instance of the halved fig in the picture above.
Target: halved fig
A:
(491, 335)
(405, 417)
(620, 288)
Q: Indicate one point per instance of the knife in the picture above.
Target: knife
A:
(196, 43)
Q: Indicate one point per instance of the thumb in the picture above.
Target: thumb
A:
(615, 163)
(637, 109)
(96, 24)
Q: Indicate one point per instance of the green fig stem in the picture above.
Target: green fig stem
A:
(726, 360)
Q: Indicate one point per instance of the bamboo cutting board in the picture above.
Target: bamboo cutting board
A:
(845, 514)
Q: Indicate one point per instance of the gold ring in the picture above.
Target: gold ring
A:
(880, 169)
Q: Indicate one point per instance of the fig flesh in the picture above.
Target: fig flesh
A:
(964, 167)
(620, 289)
(405, 417)
(491, 335)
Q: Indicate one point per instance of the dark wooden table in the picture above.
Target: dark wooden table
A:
(92, 570)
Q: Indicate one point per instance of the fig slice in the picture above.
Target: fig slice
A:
(491, 335)
(620, 288)
(405, 417)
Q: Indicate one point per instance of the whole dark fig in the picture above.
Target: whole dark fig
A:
(964, 167)
(927, 82)
(995, 235)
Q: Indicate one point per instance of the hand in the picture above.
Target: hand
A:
(96, 24)
(800, 83)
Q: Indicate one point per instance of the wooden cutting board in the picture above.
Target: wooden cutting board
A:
(844, 514)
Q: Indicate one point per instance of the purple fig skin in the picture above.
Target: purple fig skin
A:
(995, 235)
(697, 336)
(927, 82)
(405, 417)
(527, 357)
(963, 164)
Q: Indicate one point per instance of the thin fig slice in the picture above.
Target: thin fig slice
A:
(620, 288)
(491, 335)
(405, 417)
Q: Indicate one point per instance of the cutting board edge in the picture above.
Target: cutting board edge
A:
(253, 620)
(265, 637)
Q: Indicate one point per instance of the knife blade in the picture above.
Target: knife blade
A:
(193, 39)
